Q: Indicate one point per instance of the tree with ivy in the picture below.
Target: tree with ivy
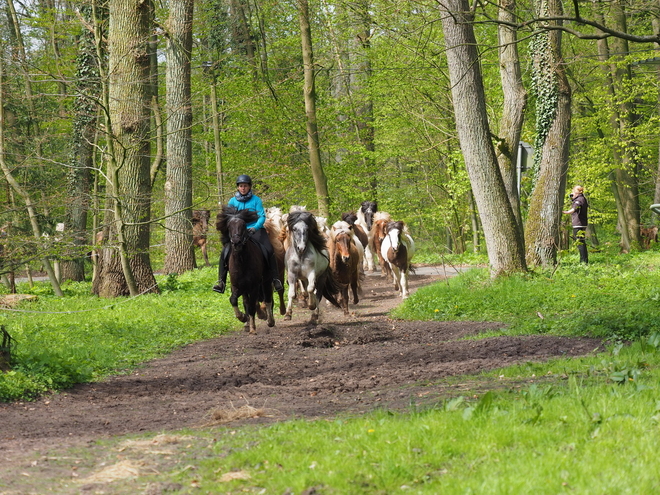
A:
(553, 124)
(503, 236)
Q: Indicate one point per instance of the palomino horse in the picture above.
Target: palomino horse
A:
(397, 250)
(376, 236)
(248, 272)
(307, 261)
(365, 216)
(345, 263)
(200, 226)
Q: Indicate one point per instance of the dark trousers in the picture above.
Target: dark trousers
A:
(580, 238)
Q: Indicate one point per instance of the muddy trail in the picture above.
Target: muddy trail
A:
(345, 364)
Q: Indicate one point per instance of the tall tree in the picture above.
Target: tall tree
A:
(513, 107)
(127, 270)
(179, 256)
(309, 90)
(82, 149)
(553, 125)
(503, 237)
(625, 174)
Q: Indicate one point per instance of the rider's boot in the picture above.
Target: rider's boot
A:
(222, 271)
(272, 264)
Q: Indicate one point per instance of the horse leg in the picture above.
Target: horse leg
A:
(302, 294)
(233, 300)
(205, 254)
(315, 316)
(395, 276)
(311, 291)
(356, 289)
(293, 283)
(344, 299)
(404, 284)
(368, 263)
(270, 319)
(250, 306)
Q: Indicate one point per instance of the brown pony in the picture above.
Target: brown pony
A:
(376, 236)
(345, 264)
(200, 226)
(274, 235)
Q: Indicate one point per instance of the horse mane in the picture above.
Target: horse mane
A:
(229, 213)
(349, 217)
(395, 225)
(316, 239)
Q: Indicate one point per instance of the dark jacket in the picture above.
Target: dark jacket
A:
(579, 215)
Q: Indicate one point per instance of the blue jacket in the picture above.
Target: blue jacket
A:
(255, 204)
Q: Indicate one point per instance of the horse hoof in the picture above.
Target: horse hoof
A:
(287, 317)
(271, 323)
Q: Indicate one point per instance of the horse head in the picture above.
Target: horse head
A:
(393, 231)
(232, 225)
(304, 230)
(368, 208)
(342, 240)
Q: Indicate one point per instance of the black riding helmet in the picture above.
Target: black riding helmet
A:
(244, 179)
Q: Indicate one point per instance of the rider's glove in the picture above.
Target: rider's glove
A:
(251, 230)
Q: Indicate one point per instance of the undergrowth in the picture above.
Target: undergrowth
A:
(612, 301)
(60, 341)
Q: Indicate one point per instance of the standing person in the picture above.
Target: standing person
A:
(579, 221)
(244, 199)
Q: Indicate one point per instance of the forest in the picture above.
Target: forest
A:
(469, 121)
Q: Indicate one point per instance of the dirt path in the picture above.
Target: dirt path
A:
(345, 364)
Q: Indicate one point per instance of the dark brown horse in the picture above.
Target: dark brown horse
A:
(248, 273)
(200, 226)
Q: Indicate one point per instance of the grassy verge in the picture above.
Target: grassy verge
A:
(614, 301)
(78, 338)
(584, 425)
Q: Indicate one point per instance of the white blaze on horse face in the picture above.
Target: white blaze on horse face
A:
(300, 236)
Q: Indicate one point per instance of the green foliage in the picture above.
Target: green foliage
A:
(79, 338)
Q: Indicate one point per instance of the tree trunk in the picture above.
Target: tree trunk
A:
(544, 216)
(179, 256)
(503, 237)
(80, 176)
(129, 270)
(320, 180)
(515, 101)
(625, 175)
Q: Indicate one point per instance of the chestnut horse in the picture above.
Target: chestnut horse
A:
(345, 263)
(397, 250)
(248, 272)
(376, 236)
(307, 261)
(200, 226)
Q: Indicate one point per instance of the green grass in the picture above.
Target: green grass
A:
(615, 301)
(587, 425)
(78, 338)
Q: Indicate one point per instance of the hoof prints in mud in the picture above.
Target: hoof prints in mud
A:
(318, 337)
(322, 337)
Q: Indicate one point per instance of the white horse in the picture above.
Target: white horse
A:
(397, 250)
(307, 262)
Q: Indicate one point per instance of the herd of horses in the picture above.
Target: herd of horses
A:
(320, 260)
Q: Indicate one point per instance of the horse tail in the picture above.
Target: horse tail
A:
(329, 286)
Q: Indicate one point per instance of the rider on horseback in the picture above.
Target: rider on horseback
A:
(244, 199)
